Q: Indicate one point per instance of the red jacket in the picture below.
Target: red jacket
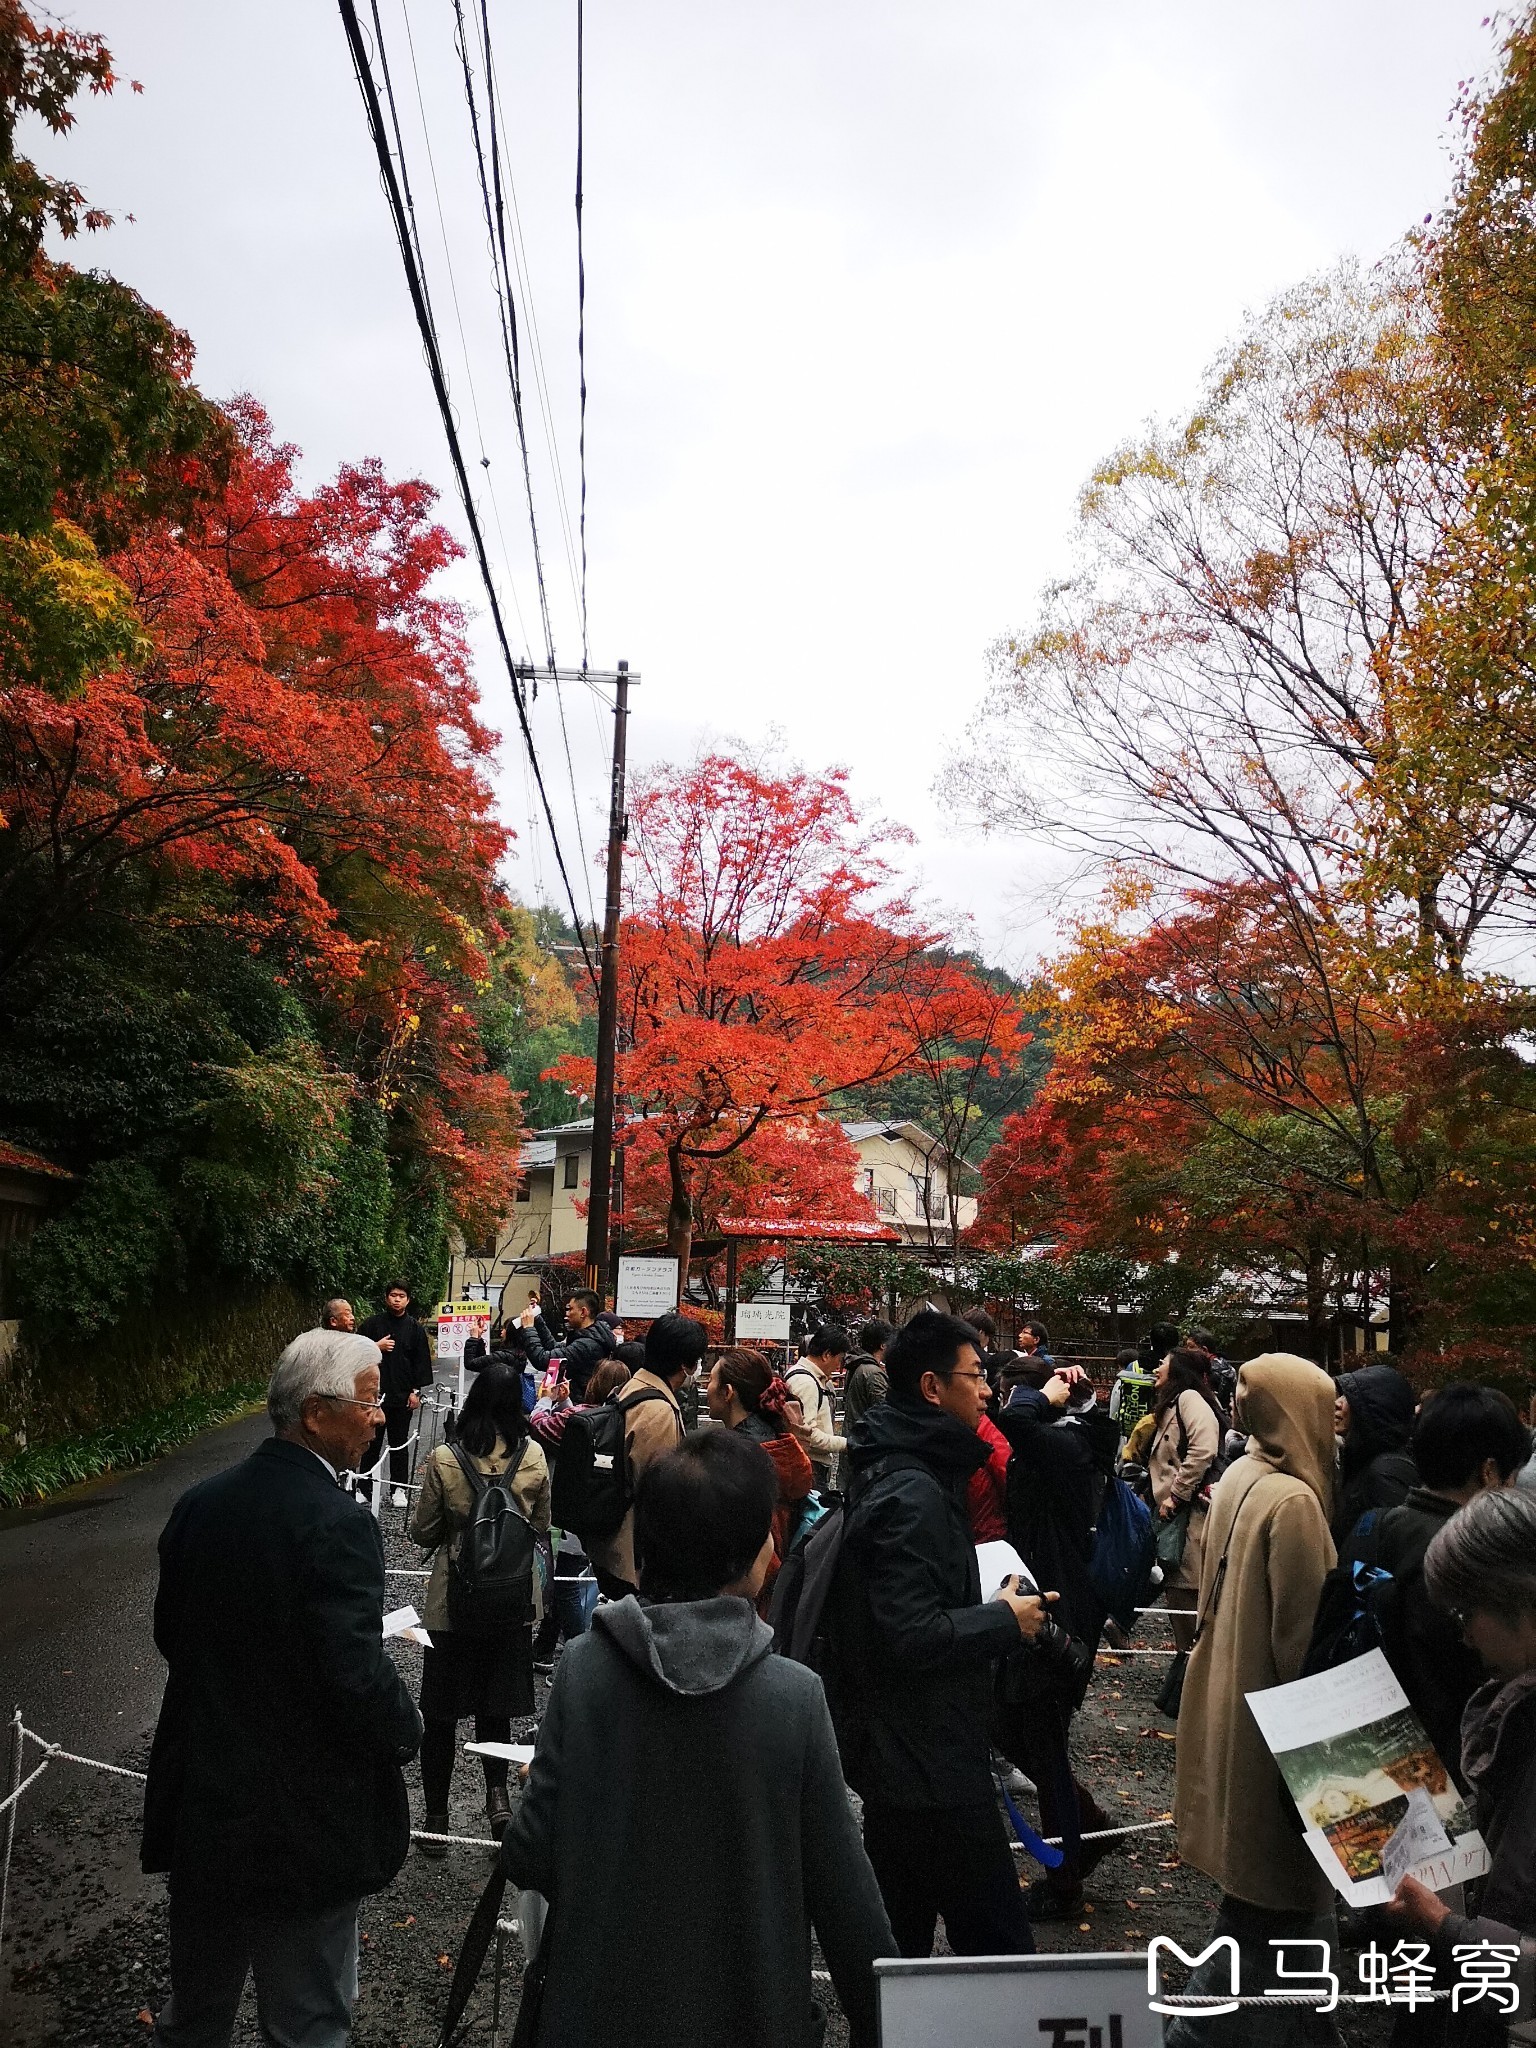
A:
(986, 1488)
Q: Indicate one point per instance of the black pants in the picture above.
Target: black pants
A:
(439, 1746)
(397, 1427)
(952, 1861)
(1037, 1743)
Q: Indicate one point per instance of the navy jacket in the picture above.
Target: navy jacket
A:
(275, 1776)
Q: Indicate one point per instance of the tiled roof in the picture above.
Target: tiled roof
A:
(18, 1160)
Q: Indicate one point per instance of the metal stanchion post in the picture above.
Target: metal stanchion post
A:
(496, 1964)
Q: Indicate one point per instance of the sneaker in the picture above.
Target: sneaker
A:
(399, 1498)
(434, 1824)
(1016, 1785)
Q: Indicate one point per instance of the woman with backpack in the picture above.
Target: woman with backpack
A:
(1186, 1442)
(746, 1394)
(474, 1670)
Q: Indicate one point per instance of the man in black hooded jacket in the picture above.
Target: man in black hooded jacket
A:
(915, 1649)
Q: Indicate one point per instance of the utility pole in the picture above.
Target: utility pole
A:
(600, 1206)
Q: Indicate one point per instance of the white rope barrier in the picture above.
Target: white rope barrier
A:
(31, 1779)
(1135, 1827)
(1191, 2001)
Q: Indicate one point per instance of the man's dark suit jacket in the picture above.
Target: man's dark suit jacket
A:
(275, 1777)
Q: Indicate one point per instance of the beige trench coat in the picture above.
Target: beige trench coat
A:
(444, 1502)
(1268, 1516)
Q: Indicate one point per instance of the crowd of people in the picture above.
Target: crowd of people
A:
(786, 1605)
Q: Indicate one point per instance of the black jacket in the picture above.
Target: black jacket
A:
(580, 1354)
(1376, 1470)
(409, 1365)
(1424, 1646)
(914, 1643)
(676, 1749)
(1055, 1484)
(275, 1774)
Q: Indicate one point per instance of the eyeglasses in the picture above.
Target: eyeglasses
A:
(375, 1406)
(970, 1376)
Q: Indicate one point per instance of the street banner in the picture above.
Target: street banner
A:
(1376, 1800)
(1062, 2001)
(647, 1288)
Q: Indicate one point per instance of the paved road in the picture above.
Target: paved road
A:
(77, 1586)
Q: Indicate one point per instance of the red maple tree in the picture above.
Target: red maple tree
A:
(294, 751)
(769, 961)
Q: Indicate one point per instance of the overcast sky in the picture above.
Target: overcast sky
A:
(871, 287)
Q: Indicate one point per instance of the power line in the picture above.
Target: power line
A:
(453, 292)
(496, 239)
(523, 276)
(417, 286)
(581, 318)
(394, 118)
(494, 212)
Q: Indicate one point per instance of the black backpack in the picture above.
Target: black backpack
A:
(490, 1575)
(1356, 1608)
(801, 1611)
(594, 1488)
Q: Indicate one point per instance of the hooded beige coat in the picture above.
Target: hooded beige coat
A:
(1269, 1519)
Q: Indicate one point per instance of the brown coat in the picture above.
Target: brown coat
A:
(1185, 1442)
(1269, 1517)
(443, 1506)
(655, 1428)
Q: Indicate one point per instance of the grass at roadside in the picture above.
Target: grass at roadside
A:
(35, 1474)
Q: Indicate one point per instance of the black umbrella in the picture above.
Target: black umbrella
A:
(478, 1936)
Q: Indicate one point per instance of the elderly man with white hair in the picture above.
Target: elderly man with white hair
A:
(276, 1799)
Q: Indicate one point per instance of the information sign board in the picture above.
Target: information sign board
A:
(1063, 2001)
(762, 1319)
(457, 1320)
(647, 1287)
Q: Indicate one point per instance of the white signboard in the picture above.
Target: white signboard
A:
(457, 1320)
(1065, 2001)
(762, 1319)
(647, 1287)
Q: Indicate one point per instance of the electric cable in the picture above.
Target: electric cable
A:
(453, 293)
(495, 232)
(417, 286)
(523, 278)
(394, 119)
(494, 212)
